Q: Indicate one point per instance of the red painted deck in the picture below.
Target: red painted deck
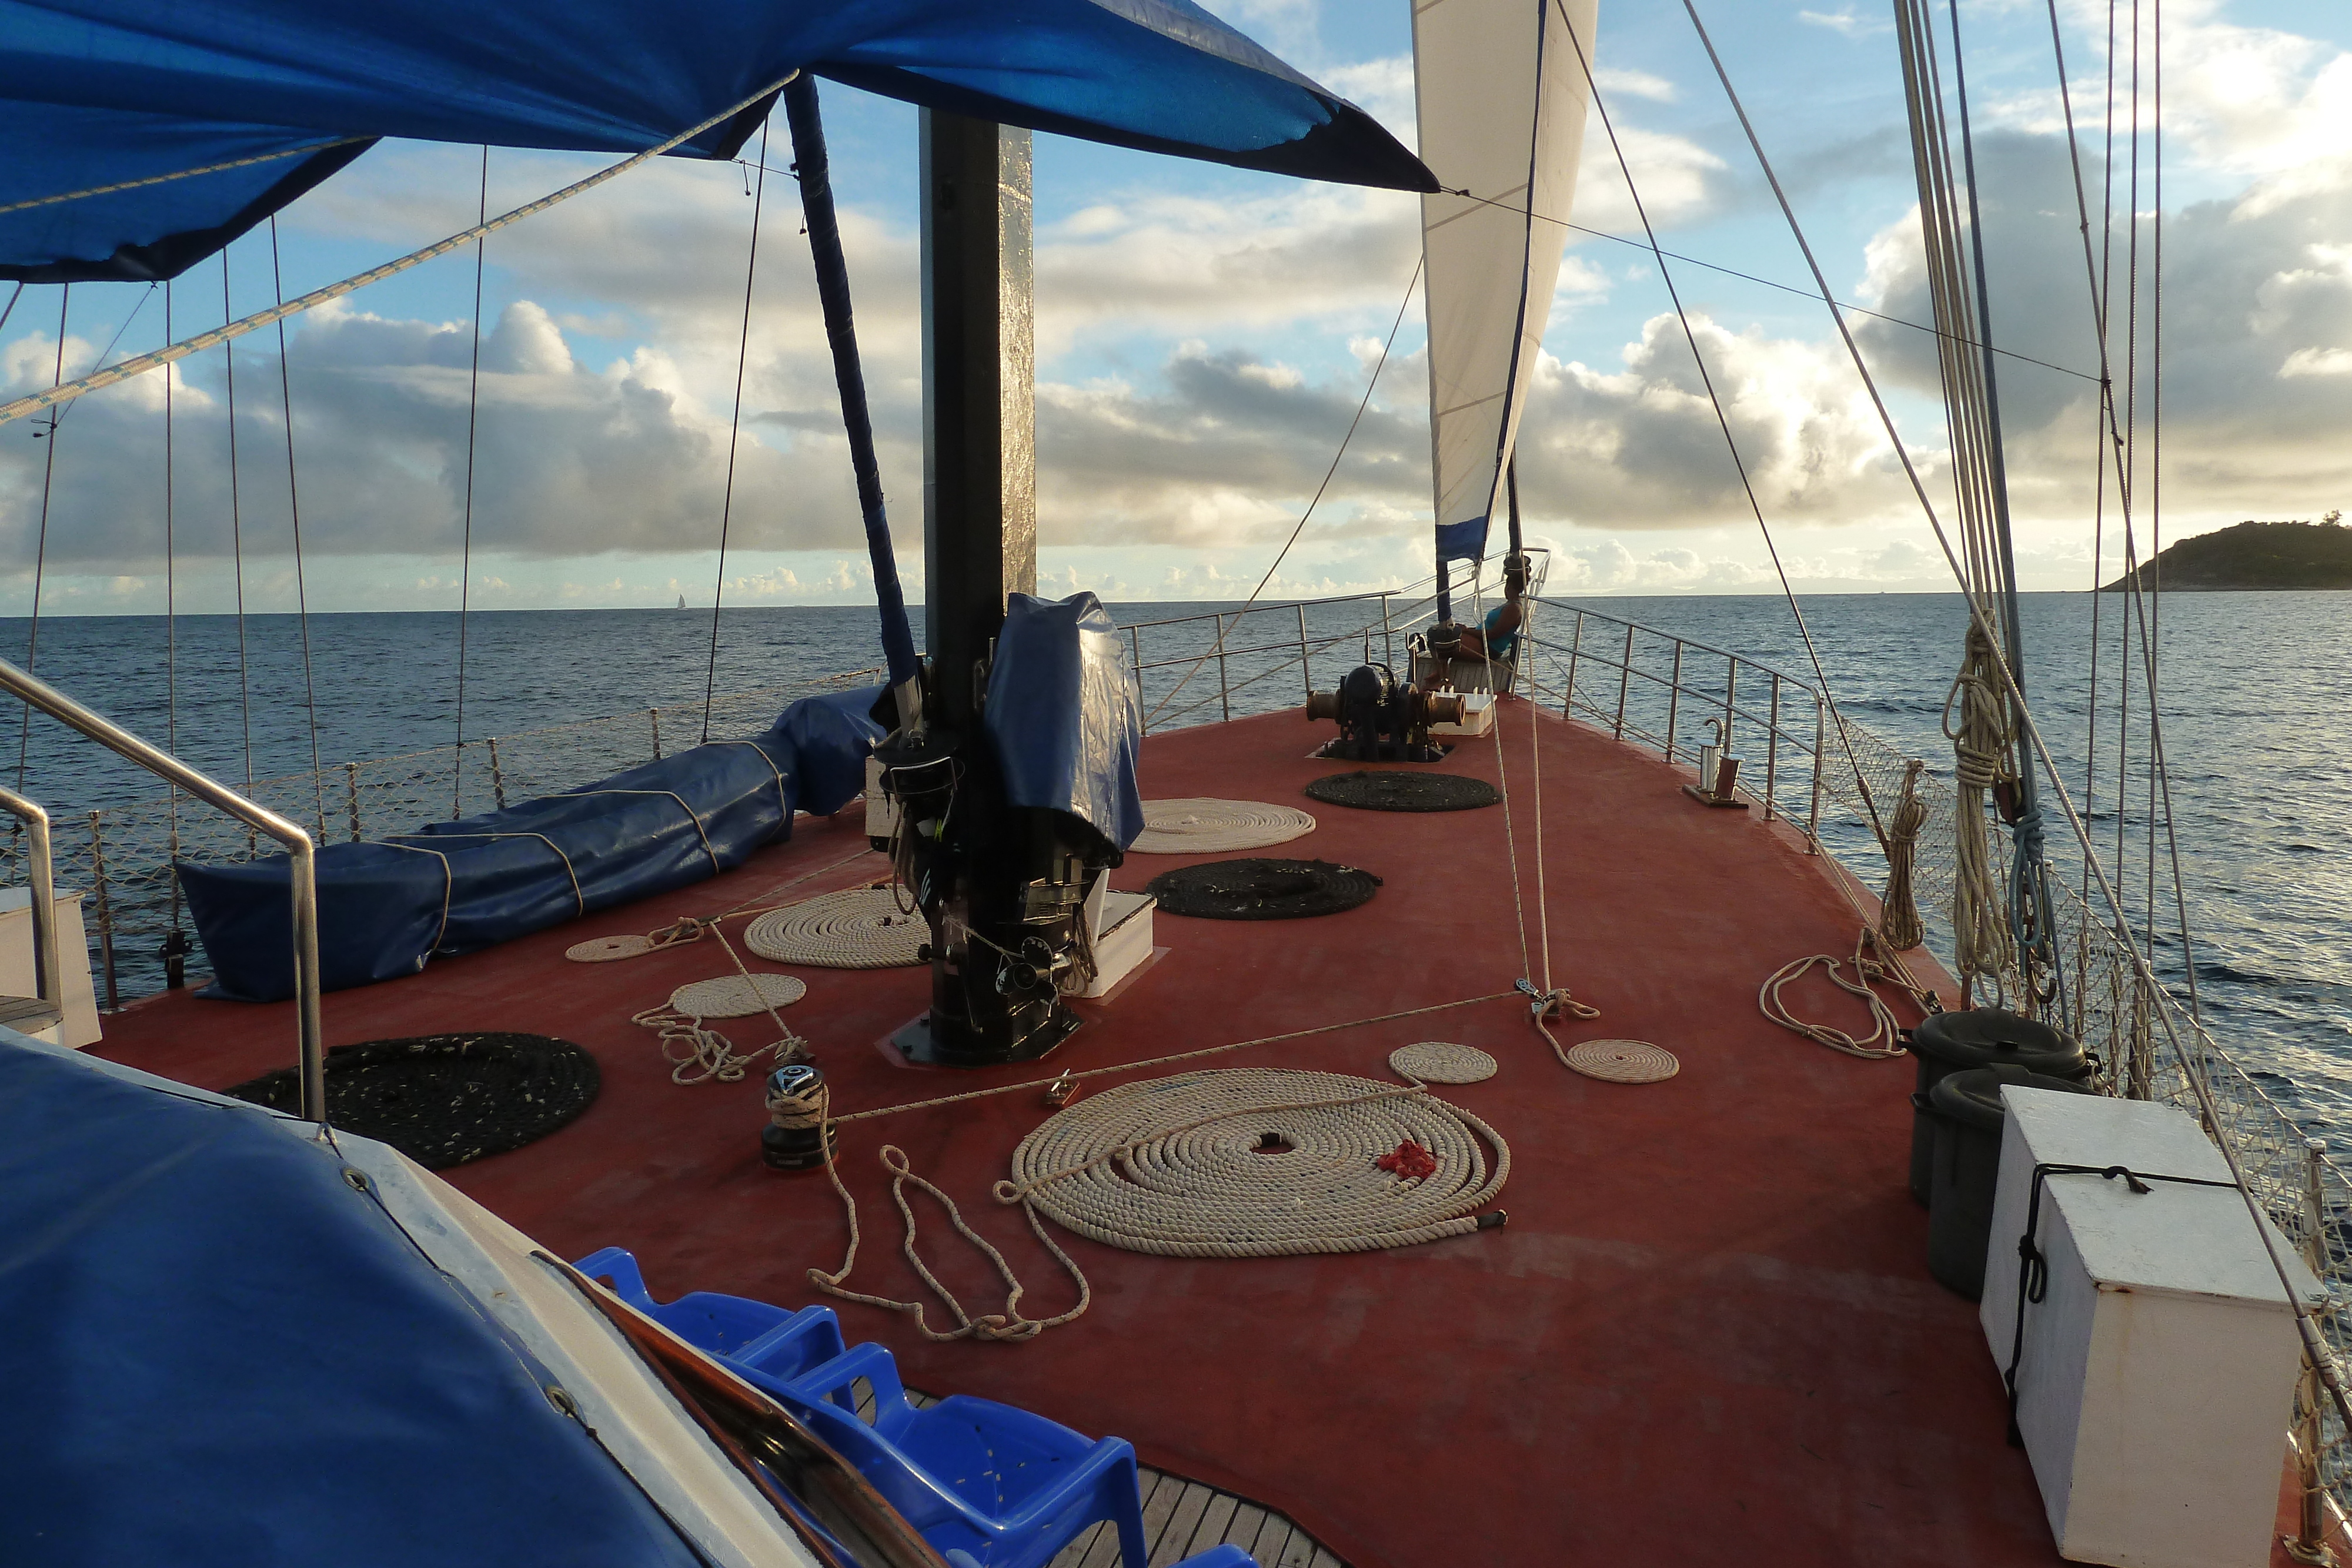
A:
(1707, 1331)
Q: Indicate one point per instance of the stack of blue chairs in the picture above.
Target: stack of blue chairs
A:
(989, 1486)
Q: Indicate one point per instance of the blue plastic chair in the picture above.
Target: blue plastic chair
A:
(771, 1340)
(1006, 1488)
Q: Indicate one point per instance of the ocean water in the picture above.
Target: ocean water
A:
(2253, 693)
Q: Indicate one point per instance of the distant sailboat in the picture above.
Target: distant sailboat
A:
(681, 601)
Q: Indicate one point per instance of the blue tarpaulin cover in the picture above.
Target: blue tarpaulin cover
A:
(219, 1354)
(1065, 714)
(97, 94)
(460, 886)
(832, 736)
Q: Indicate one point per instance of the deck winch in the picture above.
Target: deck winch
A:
(1382, 719)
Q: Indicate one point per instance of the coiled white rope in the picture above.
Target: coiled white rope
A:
(1198, 825)
(861, 928)
(1259, 1161)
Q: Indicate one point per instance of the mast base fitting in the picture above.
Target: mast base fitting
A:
(922, 1043)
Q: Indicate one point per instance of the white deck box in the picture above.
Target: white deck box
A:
(1120, 923)
(2158, 1378)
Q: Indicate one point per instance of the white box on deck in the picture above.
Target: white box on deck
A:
(80, 1010)
(1477, 717)
(2158, 1374)
(1120, 925)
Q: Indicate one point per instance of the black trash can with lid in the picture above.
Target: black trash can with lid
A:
(1966, 1111)
(1946, 1043)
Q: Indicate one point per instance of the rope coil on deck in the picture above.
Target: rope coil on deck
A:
(1442, 1061)
(1198, 825)
(861, 928)
(1622, 1061)
(1258, 1161)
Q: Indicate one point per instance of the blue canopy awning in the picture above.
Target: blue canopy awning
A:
(104, 93)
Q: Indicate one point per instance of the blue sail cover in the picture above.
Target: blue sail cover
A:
(831, 737)
(1065, 714)
(456, 887)
(96, 94)
(218, 1354)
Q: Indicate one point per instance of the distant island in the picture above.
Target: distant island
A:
(2254, 554)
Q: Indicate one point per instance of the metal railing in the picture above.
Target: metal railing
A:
(1301, 647)
(41, 884)
(301, 858)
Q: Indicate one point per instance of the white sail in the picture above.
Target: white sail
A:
(1502, 94)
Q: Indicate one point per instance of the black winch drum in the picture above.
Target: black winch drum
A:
(1947, 1043)
(1966, 1111)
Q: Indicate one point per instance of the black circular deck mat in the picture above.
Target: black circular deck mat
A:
(444, 1099)
(1262, 889)
(1394, 789)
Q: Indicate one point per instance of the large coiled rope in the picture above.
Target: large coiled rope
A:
(1259, 1161)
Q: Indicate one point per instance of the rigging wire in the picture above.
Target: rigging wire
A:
(64, 393)
(466, 549)
(10, 309)
(1361, 404)
(237, 538)
(1932, 331)
(41, 541)
(1722, 420)
(294, 510)
(2322, 1361)
(734, 426)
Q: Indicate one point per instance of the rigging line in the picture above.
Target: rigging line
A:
(1773, 283)
(2131, 451)
(41, 543)
(2315, 1347)
(10, 309)
(466, 549)
(1722, 418)
(734, 424)
(294, 510)
(300, 152)
(36, 401)
(106, 352)
(1361, 404)
(236, 536)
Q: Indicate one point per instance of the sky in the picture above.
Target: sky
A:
(1205, 335)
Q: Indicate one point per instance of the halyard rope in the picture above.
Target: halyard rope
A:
(1982, 746)
(1898, 913)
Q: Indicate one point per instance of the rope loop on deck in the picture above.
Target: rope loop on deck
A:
(1010, 1326)
(1886, 1036)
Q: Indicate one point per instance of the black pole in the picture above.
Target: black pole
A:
(1511, 483)
(841, 331)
